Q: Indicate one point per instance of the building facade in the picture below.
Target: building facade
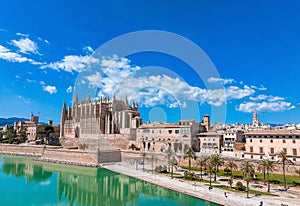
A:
(161, 136)
(30, 127)
(266, 144)
(230, 141)
(93, 119)
(210, 142)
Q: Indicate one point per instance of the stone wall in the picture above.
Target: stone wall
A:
(109, 156)
(32, 150)
(70, 155)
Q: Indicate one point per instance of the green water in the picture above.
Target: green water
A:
(27, 182)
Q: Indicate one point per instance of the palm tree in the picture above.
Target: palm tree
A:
(169, 154)
(217, 161)
(173, 162)
(298, 172)
(202, 164)
(262, 167)
(153, 158)
(269, 167)
(190, 154)
(230, 181)
(144, 156)
(283, 159)
(231, 165)
(210, 169)
(248, 170)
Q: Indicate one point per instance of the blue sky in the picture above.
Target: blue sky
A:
(254, 45)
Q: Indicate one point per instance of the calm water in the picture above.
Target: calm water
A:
(26, 182)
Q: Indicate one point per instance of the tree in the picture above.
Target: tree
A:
(230, 181)
(22, 136)
(144, 157)
(269, 167)
(132, 146)
(169, 154)
(262, 167)
(44, 131)
(283, 159)
(10, 134)
(298, 172)
(202, 164)
(231, 165)
(173, 162)
(217, 161)
(248, 171)
(189, 154)
(210, 169)
(152, 158)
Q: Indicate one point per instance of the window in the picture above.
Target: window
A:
(271, 140)
(251, 156)
(251, 149)
(176, 131)
(294, 141)
(260, 140)
(261, 157)
(250, 140)
(295, 152)
(272, 158)
(283, 141)
(170, 131)
(272, 150)
(284, 149)
(261, 150)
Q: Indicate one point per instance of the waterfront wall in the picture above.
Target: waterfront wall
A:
(30, 150)
(70, 155)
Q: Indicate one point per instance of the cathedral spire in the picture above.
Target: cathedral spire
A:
(89, 98)
(75, 102)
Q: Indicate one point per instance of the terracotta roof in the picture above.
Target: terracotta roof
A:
(159, 125)
(274, 132)
(209, 133)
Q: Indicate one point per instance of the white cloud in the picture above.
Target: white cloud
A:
(265, 106)
(42, 83)
(88, 49)
(268, 98)
(24, 99)
(262, 88)
(72, 63)
(26, 45)
(10, 56)
(118, 78)
(30, 81)
(50, 89)
(46, 41)
(18, 77)
(69, 89)
(221, 80)
(20, 34)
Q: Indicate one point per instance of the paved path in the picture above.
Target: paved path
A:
(292, 198)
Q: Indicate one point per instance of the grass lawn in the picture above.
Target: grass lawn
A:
(274, 178)
(254, 192)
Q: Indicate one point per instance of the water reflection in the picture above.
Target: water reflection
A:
(91, 186)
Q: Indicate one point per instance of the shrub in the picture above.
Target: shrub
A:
(240, 187)
(294, 183)
(227, 171)
(275, 182)
(190, 175)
